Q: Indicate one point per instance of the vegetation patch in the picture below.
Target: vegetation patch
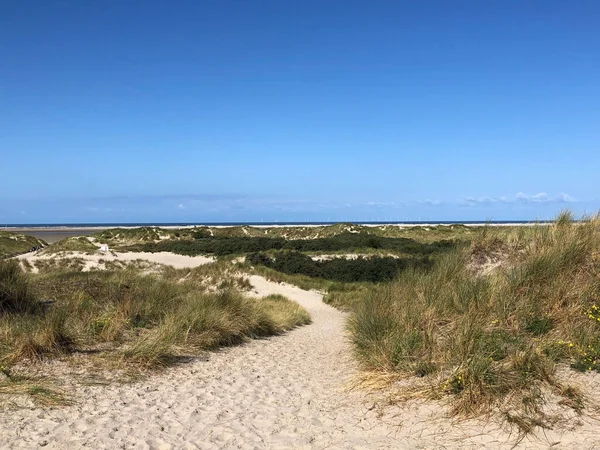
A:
(216, 245)
(12, 244)
(125, 316)
(374, 269)
(490, 341)
(71, 244)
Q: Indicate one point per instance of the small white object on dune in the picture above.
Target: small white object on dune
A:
(104, 248)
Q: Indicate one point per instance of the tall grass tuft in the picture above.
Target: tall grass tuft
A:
(145, 320)
(489, 340)
(15, 292)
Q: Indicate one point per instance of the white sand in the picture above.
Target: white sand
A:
(283, 392)
(94, 260)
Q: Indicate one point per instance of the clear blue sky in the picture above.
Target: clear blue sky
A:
(292, 110)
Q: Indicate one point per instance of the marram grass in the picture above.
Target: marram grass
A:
(141, 320)
(494, 340)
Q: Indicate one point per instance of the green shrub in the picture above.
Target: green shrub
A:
(373, 269)
(204, 243)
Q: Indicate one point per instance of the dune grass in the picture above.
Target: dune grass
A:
(71, 244)
(12, 244)
(489, 341)
(121, 236)
(128, 319)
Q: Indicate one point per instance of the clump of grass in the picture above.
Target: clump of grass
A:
(39, 391)
(346, 296)
(284, 313)
(225, 319)
(143, 320)
(34, 335)
(71, 244)
(50, 265)
(486, 341)
(12, 244)
(15, 291)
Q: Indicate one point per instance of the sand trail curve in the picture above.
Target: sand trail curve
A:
(283, 392)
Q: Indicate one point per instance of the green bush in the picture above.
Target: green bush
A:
(223, 245)
(374, 269)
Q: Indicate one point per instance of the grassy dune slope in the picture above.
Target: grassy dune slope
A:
(12, 244)
(128, 319)
(120, 237)
(491, 338)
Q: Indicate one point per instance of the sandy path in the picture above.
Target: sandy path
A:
(283, 392)
(94, 260)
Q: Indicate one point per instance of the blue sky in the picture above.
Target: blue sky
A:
(123, 111)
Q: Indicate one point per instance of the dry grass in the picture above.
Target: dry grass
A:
(71, 244)
(37, 391)
(491, 342)
(129, 319)
(12, 244)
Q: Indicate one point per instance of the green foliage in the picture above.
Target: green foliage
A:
(144, 319)
(12, 244)
(217, 245)
(71, 244)
(493, 337)
(374, 269)
(15, 290)
(539, 325)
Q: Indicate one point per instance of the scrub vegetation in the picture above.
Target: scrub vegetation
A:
(371, 269)
(350, 242)
(480, 317)
(71, 244)
(12, 244)
(491, 339)
(128, 319)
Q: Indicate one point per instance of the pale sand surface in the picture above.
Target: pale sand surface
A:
(94, 260)
(288, 391)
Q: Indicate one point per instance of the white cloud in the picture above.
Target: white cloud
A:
(541, 197)
(380, 204)
(566, 198)
(432, 202)
(181, 206)
(472, 201)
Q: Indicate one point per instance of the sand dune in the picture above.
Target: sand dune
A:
(94, 260)
(288, 391)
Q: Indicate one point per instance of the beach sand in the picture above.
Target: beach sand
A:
(288, 391)
(93, 261)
